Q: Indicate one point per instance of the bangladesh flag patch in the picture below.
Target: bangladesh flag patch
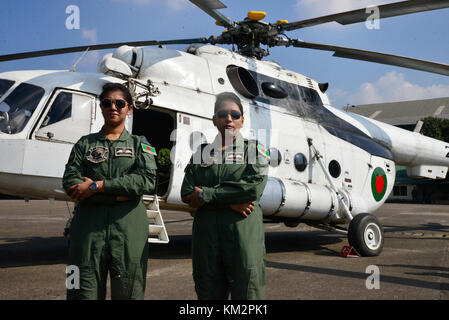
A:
(149, 149)
(378, 183)
(263, 151)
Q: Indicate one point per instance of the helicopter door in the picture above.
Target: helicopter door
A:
(190, 133)
(157, 126)
(68, 117)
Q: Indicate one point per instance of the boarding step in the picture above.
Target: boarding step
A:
(156, 226)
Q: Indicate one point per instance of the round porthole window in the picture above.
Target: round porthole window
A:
(300, 161)
(275, 157)
(334, 168)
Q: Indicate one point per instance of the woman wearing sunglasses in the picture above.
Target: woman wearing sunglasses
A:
(107, 173)
(224, 181)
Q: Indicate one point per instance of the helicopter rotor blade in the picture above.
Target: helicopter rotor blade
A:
(377, 57)
(42, 53)
(211, 8)
(360, 15)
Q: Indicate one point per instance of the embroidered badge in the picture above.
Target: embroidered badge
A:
(124, 152)
(263, 151)
(148, 149)
(97, 154)
(236, 157)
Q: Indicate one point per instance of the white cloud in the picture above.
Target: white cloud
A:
(391, 87)
(90, 35)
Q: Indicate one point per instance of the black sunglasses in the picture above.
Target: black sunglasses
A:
(235, 115)
(107, 103)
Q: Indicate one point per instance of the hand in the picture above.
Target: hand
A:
(81, 190)
(193, 200)
(244, 208)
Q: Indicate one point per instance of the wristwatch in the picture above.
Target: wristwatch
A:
(93, 186)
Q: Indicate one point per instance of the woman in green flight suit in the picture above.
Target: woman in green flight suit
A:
(224, 181)
(107, 173)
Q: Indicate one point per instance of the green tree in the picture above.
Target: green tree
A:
(437, 128)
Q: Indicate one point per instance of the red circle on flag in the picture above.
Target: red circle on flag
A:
(380, 183)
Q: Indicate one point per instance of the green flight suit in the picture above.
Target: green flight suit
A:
(107, 235)
(228, 249)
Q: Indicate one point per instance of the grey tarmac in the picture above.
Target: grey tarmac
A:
(302, 263)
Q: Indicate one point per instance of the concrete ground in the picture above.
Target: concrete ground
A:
(302, 262)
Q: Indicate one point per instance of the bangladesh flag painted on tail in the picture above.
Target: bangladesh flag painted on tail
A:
(149, 149)
(378, 183)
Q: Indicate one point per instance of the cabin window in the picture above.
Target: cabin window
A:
(4, 86)
(334, 168)
(18, 107)
(61, 109)
(300, 161)
(310, 96)
(275, 157)
(68, 117)
(274, 91)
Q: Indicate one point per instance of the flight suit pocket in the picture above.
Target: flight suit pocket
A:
(256, 282)
(88, 284)
(128, 284)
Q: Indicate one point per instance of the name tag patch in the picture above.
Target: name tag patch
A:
(124, 152)
(236, 157)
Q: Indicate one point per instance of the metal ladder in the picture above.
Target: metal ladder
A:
(156, 226)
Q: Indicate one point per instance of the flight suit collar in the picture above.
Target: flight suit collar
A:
(123, 137)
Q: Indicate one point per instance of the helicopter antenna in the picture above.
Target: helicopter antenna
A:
(72, 69)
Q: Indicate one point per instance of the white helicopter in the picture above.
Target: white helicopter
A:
(328, 168)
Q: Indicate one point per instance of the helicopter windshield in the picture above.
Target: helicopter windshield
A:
(17, 108)
(4, 86)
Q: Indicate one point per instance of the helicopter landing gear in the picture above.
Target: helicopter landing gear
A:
(366, 235)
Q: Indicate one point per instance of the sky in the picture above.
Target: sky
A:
(29, 25)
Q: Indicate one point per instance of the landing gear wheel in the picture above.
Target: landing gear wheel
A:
(366, 235)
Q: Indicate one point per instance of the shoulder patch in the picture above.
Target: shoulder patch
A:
(148, 149)
(261, 149)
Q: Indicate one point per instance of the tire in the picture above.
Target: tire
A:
(366, 235)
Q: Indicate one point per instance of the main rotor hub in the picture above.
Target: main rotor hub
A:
(250, 34)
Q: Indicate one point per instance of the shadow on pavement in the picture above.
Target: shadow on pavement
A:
(16, 252)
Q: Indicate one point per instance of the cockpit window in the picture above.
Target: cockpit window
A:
(4, 86)
(61, 109)
(68, 117)
(17, 108)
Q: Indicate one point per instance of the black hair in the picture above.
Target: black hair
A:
(227, 96)
(111, 87)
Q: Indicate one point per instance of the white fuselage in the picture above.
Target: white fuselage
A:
(32, 166)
